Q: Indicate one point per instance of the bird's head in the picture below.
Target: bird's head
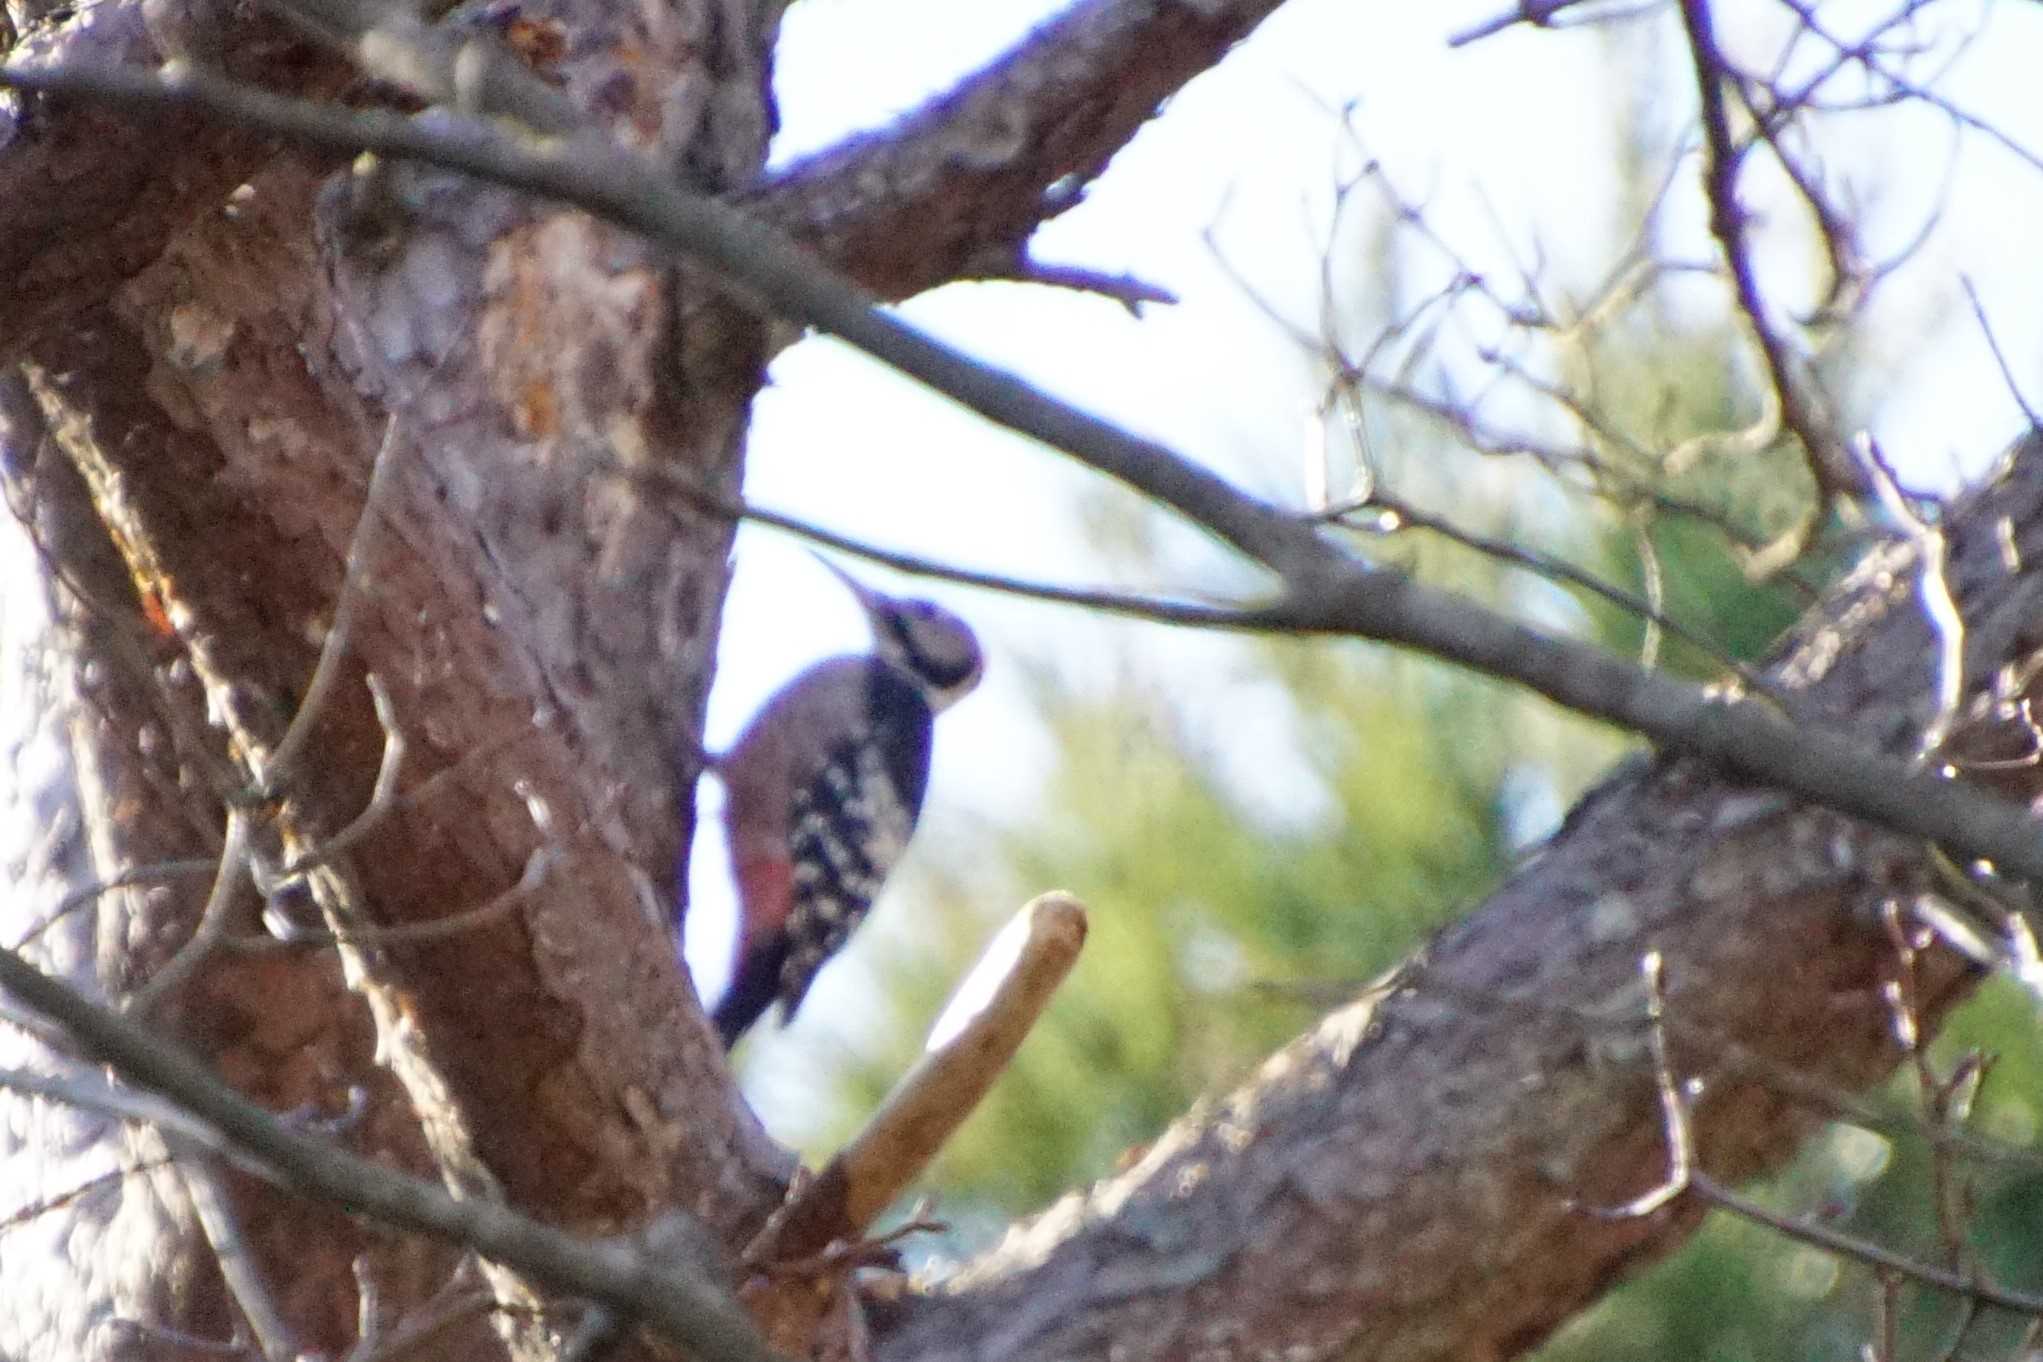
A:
(929, 643)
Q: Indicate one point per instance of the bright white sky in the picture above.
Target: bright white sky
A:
(1518, 121)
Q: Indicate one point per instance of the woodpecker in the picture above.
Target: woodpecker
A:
(822, 790)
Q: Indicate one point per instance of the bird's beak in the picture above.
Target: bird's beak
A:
(870, 600)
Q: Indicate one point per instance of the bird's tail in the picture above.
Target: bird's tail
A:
(752, 991)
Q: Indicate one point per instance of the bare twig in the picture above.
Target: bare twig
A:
(457, 1301)
(275, 770)
(155, 872)
(289, 934)
(1679, 1133)
(211, 927)
(1395, 515)
(52, 1202)
(1547, 14)
(162, 1336)
(90, 1092)
(1130, 291)
(1965, 909)
(1819, 1235)
(274, 1338)
(385, 801)
(1799, 404)
(2000, 359)
(1685, 1177)
(1898, 86)
(1160, 610)
(1944, 1101)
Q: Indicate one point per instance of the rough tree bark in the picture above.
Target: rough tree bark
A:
(212, 358)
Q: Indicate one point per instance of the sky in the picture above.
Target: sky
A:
(1508, 141)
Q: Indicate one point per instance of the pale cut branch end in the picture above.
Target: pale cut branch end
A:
(934, 1097)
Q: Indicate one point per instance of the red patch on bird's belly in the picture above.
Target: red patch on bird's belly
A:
(766, 889)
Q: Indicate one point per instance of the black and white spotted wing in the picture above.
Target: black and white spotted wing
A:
(850, 824)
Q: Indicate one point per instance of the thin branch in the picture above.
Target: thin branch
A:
(385, 800)
(1129, 290)
(211, 928)
(1189, 614)
(1900, 87)
(275, 771)
(1685, 1177)
(1945, 1100)
(182, 1340)
(1547, 14)
(1963, 910)
(1656, 600)
(1800, 408)
(156, 872)
(1327, 589)
(274, 1338)
(90, 1092)
(52, 1202)
(1933, 585)
(1680, 1132)
(2000, 359)
(1397, 515)
(687, 1309)
(1818, 1235)
(674, 1239)
(289, 934)
(456, 1302)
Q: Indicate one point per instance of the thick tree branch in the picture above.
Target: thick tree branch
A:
(138, 807)
(1408, 1178)
(954, 190)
